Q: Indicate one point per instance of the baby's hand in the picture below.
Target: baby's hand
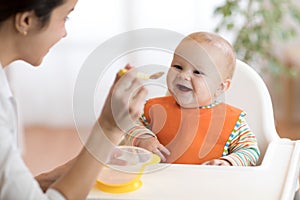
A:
(217, 162)
(152, 144)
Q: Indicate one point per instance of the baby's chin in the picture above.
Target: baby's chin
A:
(187, 105)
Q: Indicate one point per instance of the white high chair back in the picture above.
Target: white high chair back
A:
(249, 93)
(276, 177)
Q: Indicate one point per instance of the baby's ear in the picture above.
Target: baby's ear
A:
(225, 85)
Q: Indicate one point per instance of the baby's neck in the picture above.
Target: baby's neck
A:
(210, 105)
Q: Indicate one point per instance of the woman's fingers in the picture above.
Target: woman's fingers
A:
(137, 103)
(116, 112)
(127, 101)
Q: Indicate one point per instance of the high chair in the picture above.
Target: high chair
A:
(249, 92)
(275, 177)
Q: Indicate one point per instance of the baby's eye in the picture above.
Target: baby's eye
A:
(198, 72)
(177, 67)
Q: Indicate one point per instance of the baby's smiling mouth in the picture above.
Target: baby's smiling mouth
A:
(183, 88)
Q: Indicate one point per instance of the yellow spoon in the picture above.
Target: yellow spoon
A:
(142, 75)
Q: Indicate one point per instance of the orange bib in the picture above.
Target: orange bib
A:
(192, 135)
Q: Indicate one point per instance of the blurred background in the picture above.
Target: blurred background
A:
(264, 33)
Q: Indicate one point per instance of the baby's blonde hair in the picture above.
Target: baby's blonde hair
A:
(222, 46)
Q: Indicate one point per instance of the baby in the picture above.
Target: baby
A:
(193, 125)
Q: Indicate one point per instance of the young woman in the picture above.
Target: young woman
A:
(28, 29)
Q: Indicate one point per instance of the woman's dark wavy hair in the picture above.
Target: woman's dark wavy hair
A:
(42, 8)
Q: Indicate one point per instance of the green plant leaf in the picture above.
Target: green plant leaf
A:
(261, 23)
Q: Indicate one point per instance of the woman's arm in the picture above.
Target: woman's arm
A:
(128, 100)
(48, 178)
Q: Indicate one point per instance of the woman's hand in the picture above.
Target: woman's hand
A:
(123, 105)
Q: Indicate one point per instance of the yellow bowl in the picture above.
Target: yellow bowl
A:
(125, 177)
(132, 182)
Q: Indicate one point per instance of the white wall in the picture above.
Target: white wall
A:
(45, 93)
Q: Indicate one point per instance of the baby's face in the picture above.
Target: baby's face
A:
(193, 78)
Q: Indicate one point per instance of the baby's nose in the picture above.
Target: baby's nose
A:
(185, 75)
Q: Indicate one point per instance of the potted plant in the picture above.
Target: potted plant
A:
(262, 29)
(259, 27)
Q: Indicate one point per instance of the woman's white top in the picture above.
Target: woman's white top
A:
(16, 181)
